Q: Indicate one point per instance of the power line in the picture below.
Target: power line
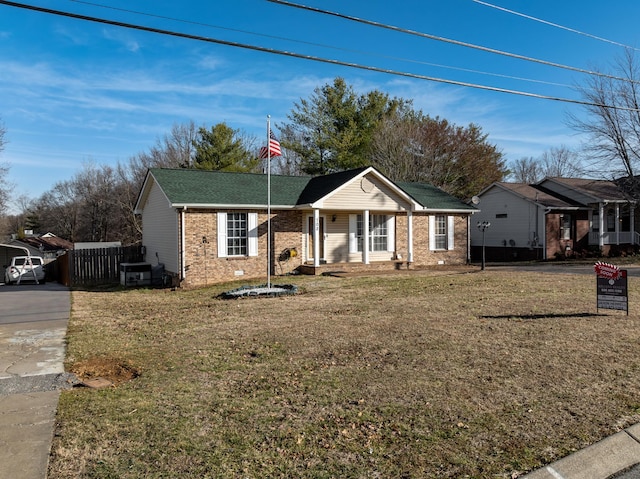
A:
(446, 40)
(304, 57)
(556, 25)
(361, 52)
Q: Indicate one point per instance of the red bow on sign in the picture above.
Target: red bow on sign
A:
(606, 270)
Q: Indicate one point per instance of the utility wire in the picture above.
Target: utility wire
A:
(360, 52)
(304, 57)
(446, 40)
(556, 25)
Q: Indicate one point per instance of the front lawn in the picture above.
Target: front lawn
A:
(486, 374)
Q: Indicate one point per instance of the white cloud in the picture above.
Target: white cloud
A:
(122, 37)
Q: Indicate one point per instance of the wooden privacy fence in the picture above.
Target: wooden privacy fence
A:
(95, 266)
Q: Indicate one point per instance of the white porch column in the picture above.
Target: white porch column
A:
(365, 236)
(316, 237)
(617, 223)
(601, 225)
(632, 221)
(542, 234)
(410, 236)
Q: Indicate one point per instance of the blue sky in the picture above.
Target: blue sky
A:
(73, 92)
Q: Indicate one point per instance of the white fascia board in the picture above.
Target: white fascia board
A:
(449, 211)
(383, 179)
(227, 206)
(141, 193)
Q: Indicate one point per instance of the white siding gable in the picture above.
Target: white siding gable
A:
(367, 192)
(160, 230)
(513, 219)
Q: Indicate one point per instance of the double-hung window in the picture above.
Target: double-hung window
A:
(441, 232)
(237, 234)
(381, 233)
(378, 233)
(565, 227)
(237, 238)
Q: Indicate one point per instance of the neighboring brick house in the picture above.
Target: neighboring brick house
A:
(555, 218)
(209, 226)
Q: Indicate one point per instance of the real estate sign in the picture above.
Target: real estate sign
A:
(612, 291)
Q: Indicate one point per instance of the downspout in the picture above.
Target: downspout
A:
(468, 239)
(182, 239)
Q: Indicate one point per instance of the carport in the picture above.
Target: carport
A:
(7, 253)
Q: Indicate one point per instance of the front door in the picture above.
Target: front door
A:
(310, 238)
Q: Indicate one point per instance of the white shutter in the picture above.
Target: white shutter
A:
(353, 233)
(432, 233)
(222, 235)
(391, 233)
(450, 231)
(252, 226)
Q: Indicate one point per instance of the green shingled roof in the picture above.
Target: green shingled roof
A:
(200, 187)
(434, 198)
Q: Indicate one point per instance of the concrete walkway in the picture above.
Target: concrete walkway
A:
(33, 325)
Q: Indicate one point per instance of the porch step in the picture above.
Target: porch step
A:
(344, 268)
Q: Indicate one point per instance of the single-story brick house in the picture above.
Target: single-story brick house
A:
(555, 218)
(210, 226)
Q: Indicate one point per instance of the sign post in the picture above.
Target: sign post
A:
(612, 290)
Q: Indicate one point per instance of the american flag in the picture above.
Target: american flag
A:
(274, 147)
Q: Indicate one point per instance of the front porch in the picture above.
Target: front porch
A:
(355, 267)
(614, 238)
(613, 225)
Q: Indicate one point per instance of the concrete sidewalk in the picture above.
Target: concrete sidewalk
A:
(27, 422)
(33, 325)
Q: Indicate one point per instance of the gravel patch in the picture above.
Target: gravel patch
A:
(40, 383)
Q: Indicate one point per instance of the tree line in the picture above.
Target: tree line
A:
(336, 129)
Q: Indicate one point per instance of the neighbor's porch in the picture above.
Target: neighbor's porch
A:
(613, 224)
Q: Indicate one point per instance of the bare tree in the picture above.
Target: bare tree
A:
(417, 148)
(5, 186)
(59, 209)
(395, 148)
(526, 170)
(560, 162)
(613, 119)
(174, 150)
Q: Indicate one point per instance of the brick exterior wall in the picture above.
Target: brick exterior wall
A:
(203, 266)
(422, 255)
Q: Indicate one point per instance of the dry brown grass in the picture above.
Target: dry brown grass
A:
(476, 375)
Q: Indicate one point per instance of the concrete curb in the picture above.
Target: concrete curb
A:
(598, 461)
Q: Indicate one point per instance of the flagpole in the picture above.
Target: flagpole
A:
(268, 202)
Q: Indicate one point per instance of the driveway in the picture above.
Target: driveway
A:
(33, 326)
